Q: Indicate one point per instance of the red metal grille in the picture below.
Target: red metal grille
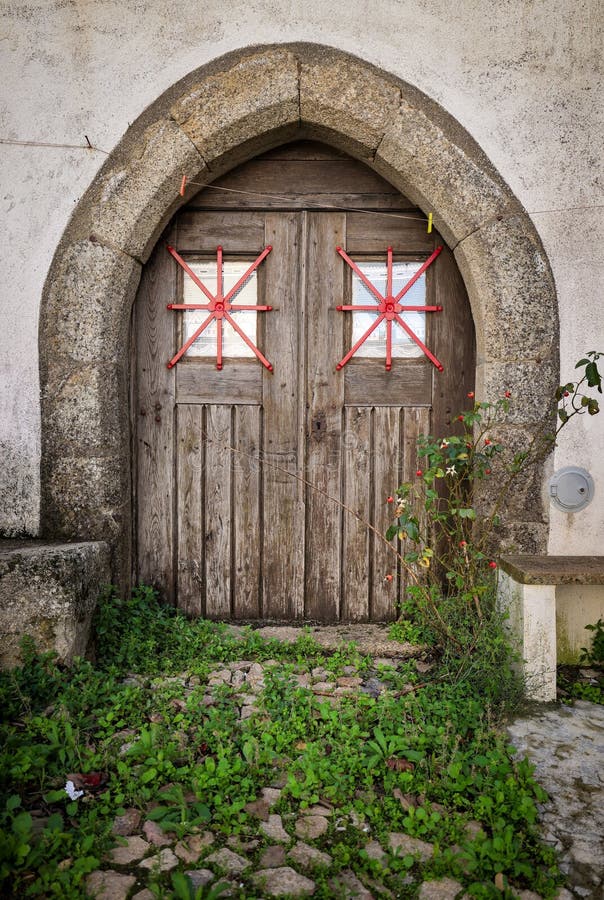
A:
(389, 308)
(219, 306)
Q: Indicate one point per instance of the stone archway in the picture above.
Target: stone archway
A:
(221, 115)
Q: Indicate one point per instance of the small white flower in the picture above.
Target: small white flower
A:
(451, 470)
(70, 790)
(444, 445)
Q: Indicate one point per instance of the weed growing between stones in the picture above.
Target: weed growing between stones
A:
(206, 751)
(586, 681)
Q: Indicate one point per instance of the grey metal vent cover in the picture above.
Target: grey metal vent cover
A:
(571, 489)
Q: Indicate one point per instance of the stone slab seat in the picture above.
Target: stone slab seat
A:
(529, 588)
(49, 591)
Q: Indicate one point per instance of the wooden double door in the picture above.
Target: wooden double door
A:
(245, 479)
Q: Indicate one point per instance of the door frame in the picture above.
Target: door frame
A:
(218, 116)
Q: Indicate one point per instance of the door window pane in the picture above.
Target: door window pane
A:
(402, 345)
(232, 344)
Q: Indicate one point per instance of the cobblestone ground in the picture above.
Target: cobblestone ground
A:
(277, 858)
(566, 744)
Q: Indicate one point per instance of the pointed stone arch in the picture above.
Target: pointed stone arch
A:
(215, 118)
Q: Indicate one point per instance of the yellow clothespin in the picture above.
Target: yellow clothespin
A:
(429, 223)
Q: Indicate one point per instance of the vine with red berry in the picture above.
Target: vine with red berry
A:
(448, 518)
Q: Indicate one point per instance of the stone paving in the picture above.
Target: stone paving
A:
(277, 858)
(566, 744)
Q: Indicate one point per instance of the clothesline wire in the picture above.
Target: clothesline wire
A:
(260, 194)
(369, 212)
(88, 146)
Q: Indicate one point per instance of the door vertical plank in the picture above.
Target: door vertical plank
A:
(218, 472)
(283, 496)
(154, 414)
(325, 401)
(246, 513)
(414, 421)
(189, 534)
(356, 454)
(386, 451)
(452, 335)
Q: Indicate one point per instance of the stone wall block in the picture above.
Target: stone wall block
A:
(81, 411)
(511, 290)
(133, 199)
(89, 296)
(49, 592)
(345, 103)
(523, 536)
(531, 382)
(443, 170)
(243, 109)
(86, 497)
(526, 497)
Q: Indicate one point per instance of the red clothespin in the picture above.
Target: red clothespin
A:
(183, 185)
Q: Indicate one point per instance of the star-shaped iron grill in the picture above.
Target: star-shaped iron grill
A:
(219, 307)
(389, 308)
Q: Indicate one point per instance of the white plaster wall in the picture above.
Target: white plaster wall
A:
(524, 77)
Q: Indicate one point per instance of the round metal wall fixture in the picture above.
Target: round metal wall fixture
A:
(571, 489)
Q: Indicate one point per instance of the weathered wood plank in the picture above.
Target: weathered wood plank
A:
(413, 423)
(240, 382)
(367, 383)
(283, 497)
(154, 392)
(247, 521)
(325, 400)
(218, 511)
(366, 233)
(202, 232)
(189, 500)
(452, 335)
(356, 453)
(312, 173)
(385, 481)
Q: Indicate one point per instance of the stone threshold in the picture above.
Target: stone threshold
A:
(370, 639)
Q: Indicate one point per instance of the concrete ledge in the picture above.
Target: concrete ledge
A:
(554, 569)
(544, 620)
(49, 592)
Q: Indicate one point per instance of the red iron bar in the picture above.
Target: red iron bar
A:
(219, 306)
(389, 308)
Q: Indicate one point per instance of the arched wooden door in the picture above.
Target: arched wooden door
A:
(221, 533)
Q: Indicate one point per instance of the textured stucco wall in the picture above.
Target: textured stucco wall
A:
(524, 78)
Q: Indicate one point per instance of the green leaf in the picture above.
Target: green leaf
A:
(593, 376)
(148, 776)
(55, 796)
(157, 814)
(582, 362)
(563, 415)
(203, 812)
(593, 408)
(414, 755)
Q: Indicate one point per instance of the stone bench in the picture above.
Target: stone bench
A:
(550, 600)
(49, 592)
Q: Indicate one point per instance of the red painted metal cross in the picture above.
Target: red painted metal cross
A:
(389, 309)
(219, 306)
